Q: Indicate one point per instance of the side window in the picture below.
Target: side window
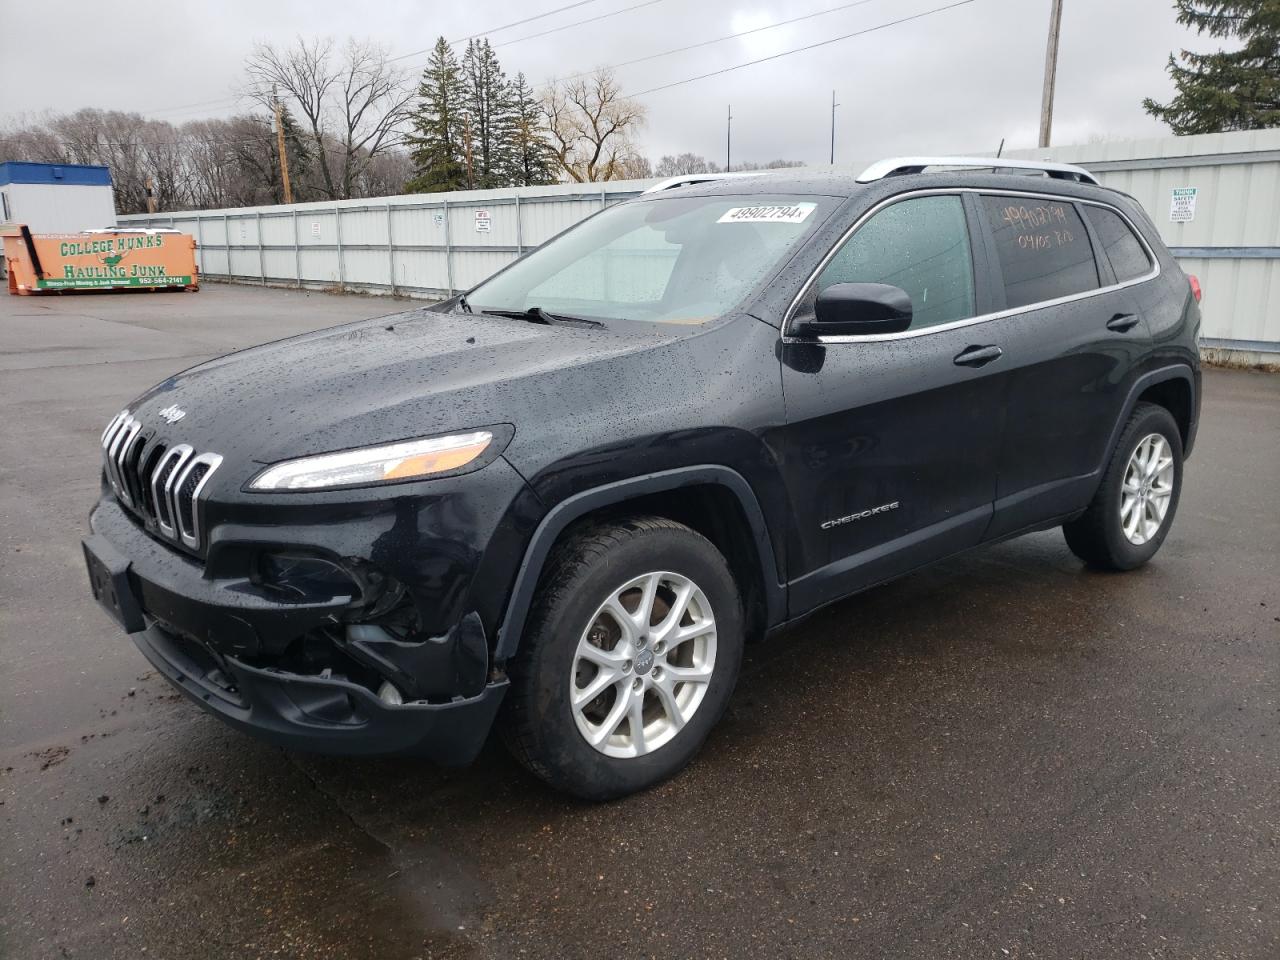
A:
(920, 245)
(1042, 247)
(1127, 255)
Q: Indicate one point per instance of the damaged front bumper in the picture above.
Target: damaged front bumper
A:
(322, 714)
(352, 667)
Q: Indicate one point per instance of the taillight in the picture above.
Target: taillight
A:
(1195, 286)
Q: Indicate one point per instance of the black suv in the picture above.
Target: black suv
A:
(564, 500)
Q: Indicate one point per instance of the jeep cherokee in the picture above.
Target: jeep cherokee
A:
(562, 502)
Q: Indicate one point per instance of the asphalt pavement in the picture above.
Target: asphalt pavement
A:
(1005, 756)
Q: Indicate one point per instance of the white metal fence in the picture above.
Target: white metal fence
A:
(434, 244)
(1232, 239)
(421, 245)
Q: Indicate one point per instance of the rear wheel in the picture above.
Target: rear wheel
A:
(632, 652)
(1132, 511)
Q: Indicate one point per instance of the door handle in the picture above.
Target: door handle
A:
(1122, 322)
(978, 356)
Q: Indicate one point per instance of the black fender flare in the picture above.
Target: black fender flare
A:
(580, 504)
(1177, 371)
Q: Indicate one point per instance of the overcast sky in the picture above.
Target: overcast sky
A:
(956, 80)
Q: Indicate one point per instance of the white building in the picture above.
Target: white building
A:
(56, 197)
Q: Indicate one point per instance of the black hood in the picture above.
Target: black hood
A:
(374, 381)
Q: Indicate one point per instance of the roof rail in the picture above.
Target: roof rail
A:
(691, 178)
(896, 166)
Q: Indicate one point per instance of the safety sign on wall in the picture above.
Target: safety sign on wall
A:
(1182, 209)
(482, 221)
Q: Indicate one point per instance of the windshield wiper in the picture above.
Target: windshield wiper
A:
(538, 315)
(562, 318)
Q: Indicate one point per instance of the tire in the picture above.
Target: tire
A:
(570, 629)
(1100, 536)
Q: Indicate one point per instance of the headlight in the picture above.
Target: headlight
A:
(410, 460)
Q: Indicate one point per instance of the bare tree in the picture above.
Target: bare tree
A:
(684, 164)
(29, 137)
(592, 127)
(353, 100)
(211, 180)
(235, 163)
(135, 149)
(165, 155)
(771, 165)
(112, 138)
(386, 174)
(635, 168)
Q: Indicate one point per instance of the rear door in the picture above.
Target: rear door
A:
(1071, 340)
(890, 444)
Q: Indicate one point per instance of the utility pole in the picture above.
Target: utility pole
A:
(151, 195)
(284, 155)
(728, 141)
(1050, 73)
(833, 127)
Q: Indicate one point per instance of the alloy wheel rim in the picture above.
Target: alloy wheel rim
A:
(1147, 490)
(643, 664)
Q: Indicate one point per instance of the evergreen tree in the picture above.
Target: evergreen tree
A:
(489, 113)
(531, 162)
(439, 161)
(1226, 90)
(298, 151)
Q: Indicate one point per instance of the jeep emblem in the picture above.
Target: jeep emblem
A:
(173, 413)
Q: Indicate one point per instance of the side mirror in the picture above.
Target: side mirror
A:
(854, 308)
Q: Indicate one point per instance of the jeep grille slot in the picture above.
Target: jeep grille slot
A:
(148, 462)
(159, 481)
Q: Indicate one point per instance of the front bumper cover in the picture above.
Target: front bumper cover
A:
(225, 644)
(322, 715)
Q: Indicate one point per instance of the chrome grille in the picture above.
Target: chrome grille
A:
(158, 481)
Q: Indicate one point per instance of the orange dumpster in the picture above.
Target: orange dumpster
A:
(99, 260)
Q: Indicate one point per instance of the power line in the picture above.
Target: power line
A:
(228, 101)
(603, 16)
(675, 83)
(144, 144)
(727, 36)
(505, 26)
(186, 106)
(578, 23)
(811, 46)
(516, 23)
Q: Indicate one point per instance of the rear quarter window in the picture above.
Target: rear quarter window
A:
(1042, 247)
(1125, 251)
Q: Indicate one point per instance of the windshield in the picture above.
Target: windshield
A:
(670, 259)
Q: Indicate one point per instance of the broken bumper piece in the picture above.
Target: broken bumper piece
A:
(322, 714)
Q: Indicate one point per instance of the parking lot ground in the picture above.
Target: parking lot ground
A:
(1005, 756)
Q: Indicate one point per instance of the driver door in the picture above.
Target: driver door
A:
(892, 440)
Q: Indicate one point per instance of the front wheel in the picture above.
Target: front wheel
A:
(1132, 511)
(632, 651)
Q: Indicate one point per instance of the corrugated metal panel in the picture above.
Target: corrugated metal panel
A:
(435, 243)
(431, 243)
(1237, 217)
